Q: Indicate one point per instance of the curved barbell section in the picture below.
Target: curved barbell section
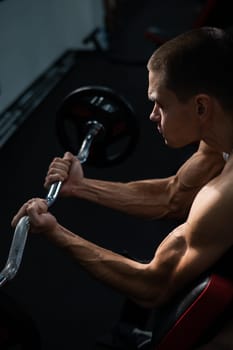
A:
(21, 231)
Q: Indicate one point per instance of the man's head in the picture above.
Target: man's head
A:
(195, 62)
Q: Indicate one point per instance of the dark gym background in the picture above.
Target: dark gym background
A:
(70, 309)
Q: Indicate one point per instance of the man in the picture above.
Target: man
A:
(190, 85)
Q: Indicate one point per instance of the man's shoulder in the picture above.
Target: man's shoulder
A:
(211, 212)
(220, 186)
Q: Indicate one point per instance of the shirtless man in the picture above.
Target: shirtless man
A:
(190, 85)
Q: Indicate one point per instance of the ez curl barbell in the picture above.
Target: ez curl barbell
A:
(99, 126)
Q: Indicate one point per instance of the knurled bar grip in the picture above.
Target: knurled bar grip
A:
(23, 226)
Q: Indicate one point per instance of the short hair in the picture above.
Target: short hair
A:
(197, 61)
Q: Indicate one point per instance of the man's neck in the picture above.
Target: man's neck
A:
(219, 133)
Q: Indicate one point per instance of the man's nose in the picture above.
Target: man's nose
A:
(155, 114)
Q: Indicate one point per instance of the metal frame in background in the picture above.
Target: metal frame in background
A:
(14, 115)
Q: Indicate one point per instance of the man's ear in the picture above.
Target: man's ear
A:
(200, 109)
(203, 105)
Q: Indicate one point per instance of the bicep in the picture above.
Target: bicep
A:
(197, 171)
(208, 230)
(166, 263)
(176, 265)
(194, 247)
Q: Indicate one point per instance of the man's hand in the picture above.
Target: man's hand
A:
(68, 170)
(40, 220)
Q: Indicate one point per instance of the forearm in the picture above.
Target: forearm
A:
(147, 198)
(124, 275)
(170, 197)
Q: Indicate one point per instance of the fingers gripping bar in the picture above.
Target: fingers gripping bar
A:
(94, 128)
(23, 226)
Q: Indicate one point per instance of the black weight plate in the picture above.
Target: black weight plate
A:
(104, 105)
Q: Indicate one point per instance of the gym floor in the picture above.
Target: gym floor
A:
(69, 308)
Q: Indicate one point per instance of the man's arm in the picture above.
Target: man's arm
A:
(152, 199)
(189, 250)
